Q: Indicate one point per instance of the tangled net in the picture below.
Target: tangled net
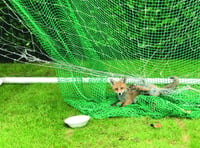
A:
(90, 41)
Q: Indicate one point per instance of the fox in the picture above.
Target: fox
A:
(128, 95)
(125, 95)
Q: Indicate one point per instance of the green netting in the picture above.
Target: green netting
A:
(114, 38)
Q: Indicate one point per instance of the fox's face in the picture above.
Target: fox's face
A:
(119, 87)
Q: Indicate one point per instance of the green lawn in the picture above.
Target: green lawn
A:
(32, 116)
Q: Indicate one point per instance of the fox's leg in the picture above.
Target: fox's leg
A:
(118, 102)
(127, 102)
(131, 96)
(173, 84)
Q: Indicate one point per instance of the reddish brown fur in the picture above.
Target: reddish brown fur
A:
(119, 87)
(133, 91)
(130, 96)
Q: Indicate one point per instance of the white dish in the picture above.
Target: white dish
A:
(77, 121)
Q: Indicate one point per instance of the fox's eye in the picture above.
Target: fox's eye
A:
(122, 88)
(116, 88)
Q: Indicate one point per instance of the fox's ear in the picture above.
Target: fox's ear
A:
(112, 81)
(123, 80)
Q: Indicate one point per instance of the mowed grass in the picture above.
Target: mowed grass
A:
(31, 116)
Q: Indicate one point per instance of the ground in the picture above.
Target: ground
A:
(33, 115)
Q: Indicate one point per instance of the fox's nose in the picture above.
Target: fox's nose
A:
(120, 94)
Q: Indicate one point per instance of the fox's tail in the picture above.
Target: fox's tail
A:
(173, 84)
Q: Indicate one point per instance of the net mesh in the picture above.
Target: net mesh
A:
(116, 38)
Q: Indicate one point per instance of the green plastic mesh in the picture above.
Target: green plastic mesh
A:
(91, 41)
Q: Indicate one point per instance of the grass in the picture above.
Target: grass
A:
(26, 70)
(31, 116)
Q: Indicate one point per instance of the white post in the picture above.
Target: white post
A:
(1, 81)
(24, 80)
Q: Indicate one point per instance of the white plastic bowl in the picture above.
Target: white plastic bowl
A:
(77, 121)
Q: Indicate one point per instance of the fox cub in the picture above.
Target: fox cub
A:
(125, 95)
(128, 95)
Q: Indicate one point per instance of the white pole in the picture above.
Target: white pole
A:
(24, 80)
